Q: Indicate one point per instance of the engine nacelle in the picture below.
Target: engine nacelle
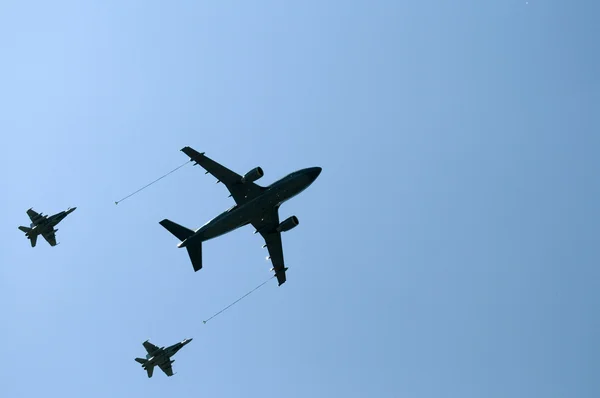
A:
(288, 224)
(253, 175)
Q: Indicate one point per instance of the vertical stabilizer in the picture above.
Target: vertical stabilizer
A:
(32, 238)
(149, 369)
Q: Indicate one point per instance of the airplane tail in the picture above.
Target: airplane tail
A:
(149, 369)
(182, 233)
(32, 238)
(195, 253)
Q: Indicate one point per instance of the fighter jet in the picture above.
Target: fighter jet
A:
(44, 225)
(255, 205)
(160, 357)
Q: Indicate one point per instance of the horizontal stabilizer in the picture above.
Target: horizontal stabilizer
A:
(24, 229)
(141, 360)
(182, 233)
(195, 252)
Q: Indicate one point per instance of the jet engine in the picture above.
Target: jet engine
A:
(253, 175)
(288, 224)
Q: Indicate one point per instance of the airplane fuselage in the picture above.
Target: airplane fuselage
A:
(163, 355)
(272, 197)
(44, 225)
(159, 358)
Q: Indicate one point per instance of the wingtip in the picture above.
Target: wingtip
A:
(188, 150)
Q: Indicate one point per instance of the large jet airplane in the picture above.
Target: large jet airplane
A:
(160, 357)
(44, 225)
(255, 205)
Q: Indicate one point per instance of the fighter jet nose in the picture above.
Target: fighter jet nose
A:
(314, 172)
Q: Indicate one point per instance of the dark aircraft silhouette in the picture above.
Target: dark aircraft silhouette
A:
(255, 205)
(44, 225)
(160, 357)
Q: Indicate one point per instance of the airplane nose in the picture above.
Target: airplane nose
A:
(314, 172)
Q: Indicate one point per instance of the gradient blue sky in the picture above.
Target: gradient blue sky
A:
(448, 249)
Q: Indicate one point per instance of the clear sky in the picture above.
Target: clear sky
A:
(449, 248)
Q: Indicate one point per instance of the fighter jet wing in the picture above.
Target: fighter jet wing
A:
(240, 191)
(35, 216)
(50, 238)
(167, 368)
(150, 348)
(267, 228)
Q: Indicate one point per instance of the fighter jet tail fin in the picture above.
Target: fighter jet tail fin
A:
(32, 238)
(182, 233)
(195, 252)
(149, 369)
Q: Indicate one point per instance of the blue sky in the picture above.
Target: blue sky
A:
(448, 249)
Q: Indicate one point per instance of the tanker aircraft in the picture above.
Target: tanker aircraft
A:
(255, 204)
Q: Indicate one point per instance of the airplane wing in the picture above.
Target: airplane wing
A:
(50, 238)
(150, 348)
(240, 191)
(267, 227)
(34, 216)
(167, 368)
